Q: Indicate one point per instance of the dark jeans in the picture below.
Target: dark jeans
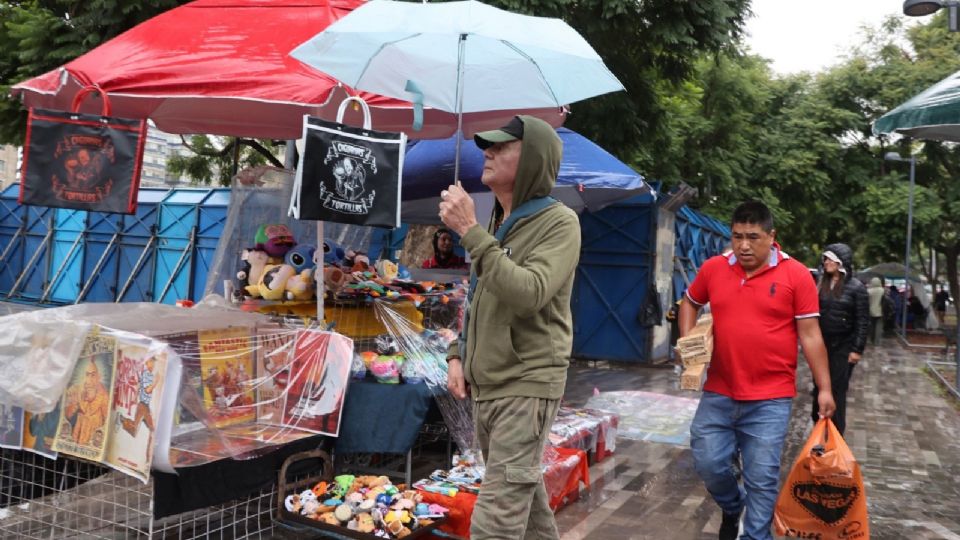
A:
(876, 329)
(838, 352)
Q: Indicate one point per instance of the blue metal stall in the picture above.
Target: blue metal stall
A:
(162, 252)
(613, 281)
(615, 287)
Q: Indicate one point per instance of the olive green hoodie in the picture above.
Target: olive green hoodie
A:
(520, 330)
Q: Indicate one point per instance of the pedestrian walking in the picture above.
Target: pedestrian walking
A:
(875, 293)
(940, 302)
(514, 352)
(844, 320)
(762, 302)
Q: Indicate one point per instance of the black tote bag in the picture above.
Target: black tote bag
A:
(82, 161)
(347, 174)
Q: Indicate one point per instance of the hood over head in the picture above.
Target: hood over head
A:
(540, 153)
(845, 254)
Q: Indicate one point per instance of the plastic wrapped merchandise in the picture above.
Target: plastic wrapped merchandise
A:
(563, 471)
(38, 350)
(136, 385)
(244, 389)
(422, 342)
(358, 369)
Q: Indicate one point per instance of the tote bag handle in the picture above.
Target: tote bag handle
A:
(363, 105)
(87, 90)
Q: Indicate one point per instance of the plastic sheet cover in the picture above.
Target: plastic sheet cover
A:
(648, 416)
(245, 389)
(141, 385)
(261, 196)
(405, 341)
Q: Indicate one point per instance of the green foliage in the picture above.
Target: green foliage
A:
(37, 36)
(209, 163)
(645, 44)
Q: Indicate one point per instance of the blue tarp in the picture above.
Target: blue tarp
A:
(590, 177)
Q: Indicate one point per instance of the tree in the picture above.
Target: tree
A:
(644, 44)
(206, 163)
(37, 36)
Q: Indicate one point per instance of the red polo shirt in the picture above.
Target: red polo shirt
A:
(754, 324)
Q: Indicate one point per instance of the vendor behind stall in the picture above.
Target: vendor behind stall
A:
(443, 255)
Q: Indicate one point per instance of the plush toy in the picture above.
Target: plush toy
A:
(387, 344)
(276, 240)
(386, 369)
(334, 279)
(332, 253)
(356, 261)
(300, 286)
(365, 523)
(344, 513)
(273, 282)
(301, 257)
(386, 269)
(292, 503)
(252, 265)
(368, 358)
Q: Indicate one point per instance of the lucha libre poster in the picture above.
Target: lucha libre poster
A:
(82, 161)
(349, 175)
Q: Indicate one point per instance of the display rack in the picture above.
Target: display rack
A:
(46, 499)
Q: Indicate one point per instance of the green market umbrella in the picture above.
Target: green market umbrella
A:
(932, 114)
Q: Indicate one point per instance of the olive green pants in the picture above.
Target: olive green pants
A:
(513, 501)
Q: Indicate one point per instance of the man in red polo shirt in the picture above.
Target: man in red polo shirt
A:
(762, 302)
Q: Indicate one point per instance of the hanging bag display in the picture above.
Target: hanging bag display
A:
(347, 174)
(82, 161)
(823, 496)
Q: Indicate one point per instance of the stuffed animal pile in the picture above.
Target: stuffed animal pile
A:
(366, 504)
(278, 269)
(421, 359)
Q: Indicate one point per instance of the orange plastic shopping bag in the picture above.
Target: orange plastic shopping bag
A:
(823, 496)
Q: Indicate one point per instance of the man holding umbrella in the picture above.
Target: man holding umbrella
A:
(515, 346)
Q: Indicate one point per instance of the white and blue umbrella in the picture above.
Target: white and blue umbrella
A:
(459, 57)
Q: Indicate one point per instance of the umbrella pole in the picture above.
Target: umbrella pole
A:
(461, 50)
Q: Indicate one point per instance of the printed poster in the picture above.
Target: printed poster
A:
(11, 426)
(84, 426)
(318, 383)
(274, 359)
(187, 347)
(137, 393)
(226, 371)
(39, 431)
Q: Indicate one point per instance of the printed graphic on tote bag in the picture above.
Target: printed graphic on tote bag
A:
(347, 166)
(83, 162)
(349, 175)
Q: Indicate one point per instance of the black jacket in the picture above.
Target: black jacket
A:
(845, 317)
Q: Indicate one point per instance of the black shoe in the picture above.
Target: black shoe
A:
(730, 527)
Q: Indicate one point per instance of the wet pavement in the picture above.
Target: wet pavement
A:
(901, 426)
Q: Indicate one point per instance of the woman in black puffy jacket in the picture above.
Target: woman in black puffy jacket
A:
(844, 320)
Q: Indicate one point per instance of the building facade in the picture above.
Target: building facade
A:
(9, 165)
(159, 148)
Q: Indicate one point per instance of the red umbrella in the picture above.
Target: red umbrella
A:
(223, 67)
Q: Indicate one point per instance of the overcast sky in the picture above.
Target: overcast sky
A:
(808, 35)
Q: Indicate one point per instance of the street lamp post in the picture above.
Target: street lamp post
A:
(894, 156)
(921, 8)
